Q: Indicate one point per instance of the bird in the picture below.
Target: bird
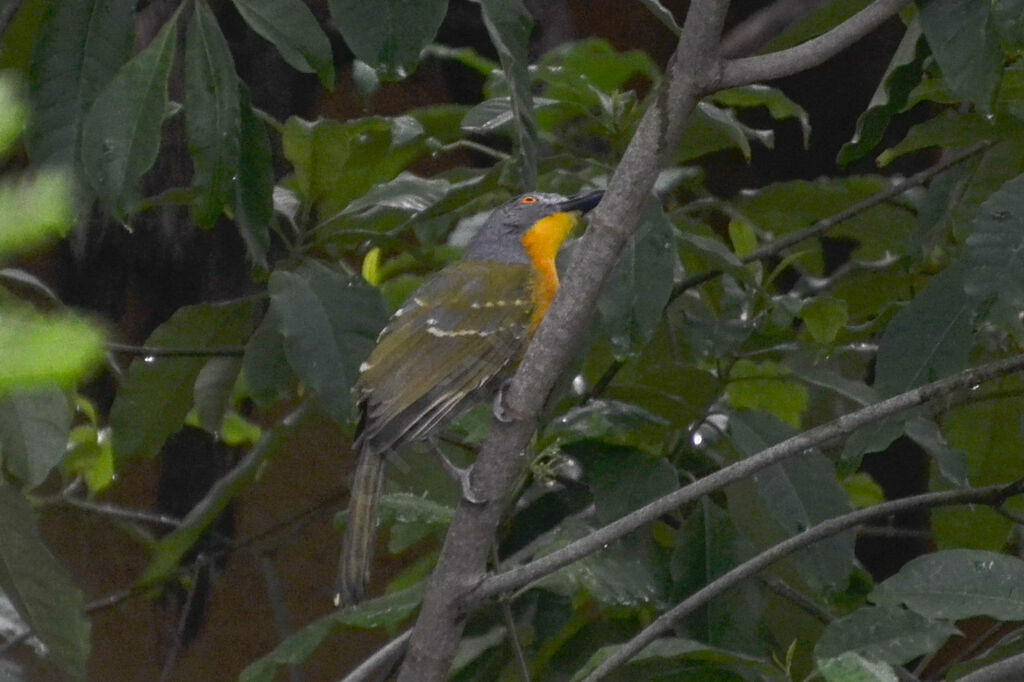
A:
(448, 347)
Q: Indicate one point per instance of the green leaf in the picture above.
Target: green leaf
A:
(89, 456)
(743, 238)
(711, 129)
(883, 633)
(995, 247)
(708, 546)
(156, 393)
(413, 518)
(928, 339)
(509, 24)
(121, 133)
(623, 479)
(338, 162)
(901, 76)
(254, 190)
(824, 317)
(388, 34)
(294, 31)
(212, 118)
(611, 421)
(863, 491)
(779, 106)
(951, 461)
(675, 649)
(620, 576)
(34, 433)
(265, 365)
(39, 350)
(388, 611)
(40, 588)
(81, 46)
(329, 323)
(212, 390)
(13, 113)
(35, 211)
(638, 289)
(766, 386)
(797, 495)
(852, 667)
(956, 584)
(949, 129)
(963, 39)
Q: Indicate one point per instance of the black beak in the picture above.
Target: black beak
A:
(582, 202)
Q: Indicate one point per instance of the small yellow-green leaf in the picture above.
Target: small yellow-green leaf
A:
(34, 211)
(744, 241)
(91, 457)
(767, 386)
(37, 350)
(237, 431)
(824, 317)
(371, 266)
(863, 491)
(12, 113)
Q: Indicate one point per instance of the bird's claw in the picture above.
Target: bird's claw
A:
(502, 412)
(462, 476)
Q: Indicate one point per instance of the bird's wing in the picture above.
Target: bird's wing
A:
(458, 335)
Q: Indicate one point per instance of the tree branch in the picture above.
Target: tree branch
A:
(992, 495)
(811, 53)
(764, 25)
(791, 447)
(692, 70)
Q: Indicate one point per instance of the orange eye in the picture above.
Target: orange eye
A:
(528, 200)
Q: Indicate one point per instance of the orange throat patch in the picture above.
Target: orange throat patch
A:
(542, 242)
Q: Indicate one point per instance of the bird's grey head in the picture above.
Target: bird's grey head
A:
(500, 238)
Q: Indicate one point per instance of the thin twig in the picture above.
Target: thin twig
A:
(186, 610)
(763, 26)
(992, 495)
(114, 512)
(1007, 670)
(382, 662)
(157, 352)
(791, 447)
(786, 591)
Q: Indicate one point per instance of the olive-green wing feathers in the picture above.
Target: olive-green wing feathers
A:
(459, 335)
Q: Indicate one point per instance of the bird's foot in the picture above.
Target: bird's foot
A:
(462, 476)
(503, 412)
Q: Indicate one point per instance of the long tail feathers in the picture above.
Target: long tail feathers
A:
(360, 530)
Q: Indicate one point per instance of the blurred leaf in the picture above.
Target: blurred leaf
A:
(35, 210)
(611, 421)
(863, 491)
(90, 456)
(963, 39)
(13, 112)
(1008, 18)
(824, 318)
(412, 518)
(237, 432)
(675, 649)
(822, 18)
(797, 495)
(901, 76)
(711, 129)
(81, 46)
(956, 584)
(743, 238)
(779, 106)
(951, 461)
(509, 24)
(254, 189)
(388, 611)
(638, 289)
(212, 115)
(949, 129)
(212, 390)
(34, 433)
(156, 393)
(264, 364)
(40, 588)
(472, 648)
(39, 350)
(329, 323)
(999, 164)
(767, 386)
(294, 31)
(121, 132)
(338, 162)
(883, 633)
(855, 391)
(623, 479)
(995, 247)
(708, 547)
(989, 431)
(852, 667)
(929, 338)
(621, 575)
(388, 35)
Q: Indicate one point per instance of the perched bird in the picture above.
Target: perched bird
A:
(450, 346)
